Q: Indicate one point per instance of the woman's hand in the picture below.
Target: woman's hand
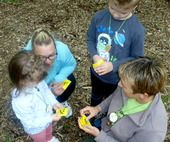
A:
(57, 88)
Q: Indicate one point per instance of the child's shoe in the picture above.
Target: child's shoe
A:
(70, 112)
(54, 139)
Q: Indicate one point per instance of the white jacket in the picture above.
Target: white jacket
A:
(30, 107)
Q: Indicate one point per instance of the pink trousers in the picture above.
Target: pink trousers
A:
(45, 135)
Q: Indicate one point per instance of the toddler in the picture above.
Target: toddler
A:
(32, 101)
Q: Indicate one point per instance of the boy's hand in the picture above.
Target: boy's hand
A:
(104, 68)
(55, 117)
(89, 129)
(92, 111)
(96, 58)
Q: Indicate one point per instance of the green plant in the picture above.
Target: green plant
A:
(165, 99)
(66, 126)
(8, 138)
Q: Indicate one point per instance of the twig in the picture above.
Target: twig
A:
(60, 134)
(87, 87)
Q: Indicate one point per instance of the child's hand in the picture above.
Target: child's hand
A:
(57, 105)
(55, 117)
(57, 88)
(96, 58)
(104, 68)
(89, 129)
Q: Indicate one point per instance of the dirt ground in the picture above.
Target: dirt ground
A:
(68, 20)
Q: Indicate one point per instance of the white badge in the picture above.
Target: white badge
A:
(48, 109)
(113, 117)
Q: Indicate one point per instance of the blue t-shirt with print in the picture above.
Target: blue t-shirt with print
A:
(116, 40)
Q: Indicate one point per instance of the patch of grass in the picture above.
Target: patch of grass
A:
(66, 126)
(8, 138)
(165, 99)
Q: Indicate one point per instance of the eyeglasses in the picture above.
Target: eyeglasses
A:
(50, 57)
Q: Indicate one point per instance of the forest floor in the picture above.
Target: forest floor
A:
(68, 20)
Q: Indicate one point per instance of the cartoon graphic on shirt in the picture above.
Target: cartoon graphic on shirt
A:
(104, 45)
(104, 41)
(119, 39)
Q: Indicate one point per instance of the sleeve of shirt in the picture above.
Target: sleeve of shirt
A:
(136, 48)
(91, 38)
(157, 130)
(24, 111)
(146, 136)
(103, 137)
(67, 62)
(139, 137)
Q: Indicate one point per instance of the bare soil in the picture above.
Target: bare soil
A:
(68, 20)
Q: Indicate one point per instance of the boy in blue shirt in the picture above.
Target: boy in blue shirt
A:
(114, 36)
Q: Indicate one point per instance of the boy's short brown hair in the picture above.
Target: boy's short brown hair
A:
(145, 74)
(126, 4)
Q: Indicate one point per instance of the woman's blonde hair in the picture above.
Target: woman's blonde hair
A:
(145, 74)
(41, 37)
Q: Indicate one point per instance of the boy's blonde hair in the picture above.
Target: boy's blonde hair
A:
(145, 74)
(41, 37)
(125, 4)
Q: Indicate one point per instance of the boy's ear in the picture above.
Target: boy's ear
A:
(145, 95)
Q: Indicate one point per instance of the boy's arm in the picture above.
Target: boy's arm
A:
(91, 38)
